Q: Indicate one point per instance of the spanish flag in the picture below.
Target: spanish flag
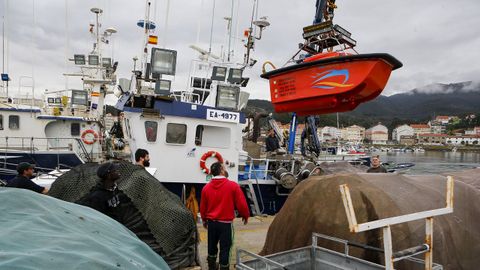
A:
(152, 40)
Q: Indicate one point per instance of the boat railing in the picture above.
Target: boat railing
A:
(260, 168)
(31, 145)
(188, 97)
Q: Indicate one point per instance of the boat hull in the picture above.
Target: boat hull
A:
(335, 84)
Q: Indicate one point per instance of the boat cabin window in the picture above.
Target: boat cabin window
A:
(75, 129)
(1, 122)
(211, 136)
(176, 133)
(14, 122)
(151, 128)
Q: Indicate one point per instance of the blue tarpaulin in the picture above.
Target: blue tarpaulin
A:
(41, 232)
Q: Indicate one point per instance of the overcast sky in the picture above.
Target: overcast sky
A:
(437, 40)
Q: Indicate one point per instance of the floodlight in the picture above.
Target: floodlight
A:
(163, 61)
(93, 60)
(106, 62)
(79, 97)
(227, 97)
(79, 59)
(235, 75)
(219, 73)
(162, 87)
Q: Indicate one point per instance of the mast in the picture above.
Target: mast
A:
(67, 43)
(3, 49)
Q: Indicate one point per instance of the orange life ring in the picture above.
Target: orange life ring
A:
(207, 155)
(85, 140)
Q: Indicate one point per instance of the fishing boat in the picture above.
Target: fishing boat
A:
(65, 127)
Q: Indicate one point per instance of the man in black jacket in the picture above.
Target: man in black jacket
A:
(105, 197)
(22, 180)
(271, 142)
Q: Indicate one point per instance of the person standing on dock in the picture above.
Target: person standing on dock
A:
(376, 166)
(22, 180)
(220, 198)
(142, 157)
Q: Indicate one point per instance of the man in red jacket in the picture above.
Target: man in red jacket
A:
(220, 198)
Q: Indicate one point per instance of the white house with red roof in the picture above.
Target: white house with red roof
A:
(377, 134)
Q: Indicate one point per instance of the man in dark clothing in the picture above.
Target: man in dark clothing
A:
(109, 200)
(271, 142)
(220, 198)
(376, 166)
(22, 180)
(105, 197)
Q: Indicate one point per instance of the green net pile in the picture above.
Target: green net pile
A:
(170, 222)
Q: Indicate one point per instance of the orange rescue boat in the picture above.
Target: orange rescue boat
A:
(330, 82)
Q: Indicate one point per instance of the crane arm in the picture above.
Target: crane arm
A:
(325, 11)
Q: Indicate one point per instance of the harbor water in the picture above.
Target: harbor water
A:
(434, 162)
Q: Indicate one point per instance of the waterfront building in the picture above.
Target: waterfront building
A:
(327, 134)
(377, 134)
(354, 134)
(420, 129)
(403, 130)
(463, 140)
(437, 127)
(408, 140)
(432, 139)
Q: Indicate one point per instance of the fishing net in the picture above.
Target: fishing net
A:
(316, 206)
(41, 232)
(168, 220)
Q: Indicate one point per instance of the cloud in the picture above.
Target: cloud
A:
(435, 39)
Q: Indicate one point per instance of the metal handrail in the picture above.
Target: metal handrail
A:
(266, 261)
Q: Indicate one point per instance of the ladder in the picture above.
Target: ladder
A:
(251, 196)
(385, 224)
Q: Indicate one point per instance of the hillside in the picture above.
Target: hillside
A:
(417, 105)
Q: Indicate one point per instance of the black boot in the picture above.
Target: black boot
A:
(224, 267)
(212, 263)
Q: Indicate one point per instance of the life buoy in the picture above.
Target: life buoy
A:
(86, 140)
(207, 155)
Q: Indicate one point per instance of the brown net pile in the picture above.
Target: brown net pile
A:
(316, 206)
(170, 222)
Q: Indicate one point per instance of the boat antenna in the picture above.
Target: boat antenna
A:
(199, 25)
(211, 29)
(3, 48)
(33, 53)
(146, 26)
(67, 43)
(230, 32)
(165, 32)
(97, 12)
